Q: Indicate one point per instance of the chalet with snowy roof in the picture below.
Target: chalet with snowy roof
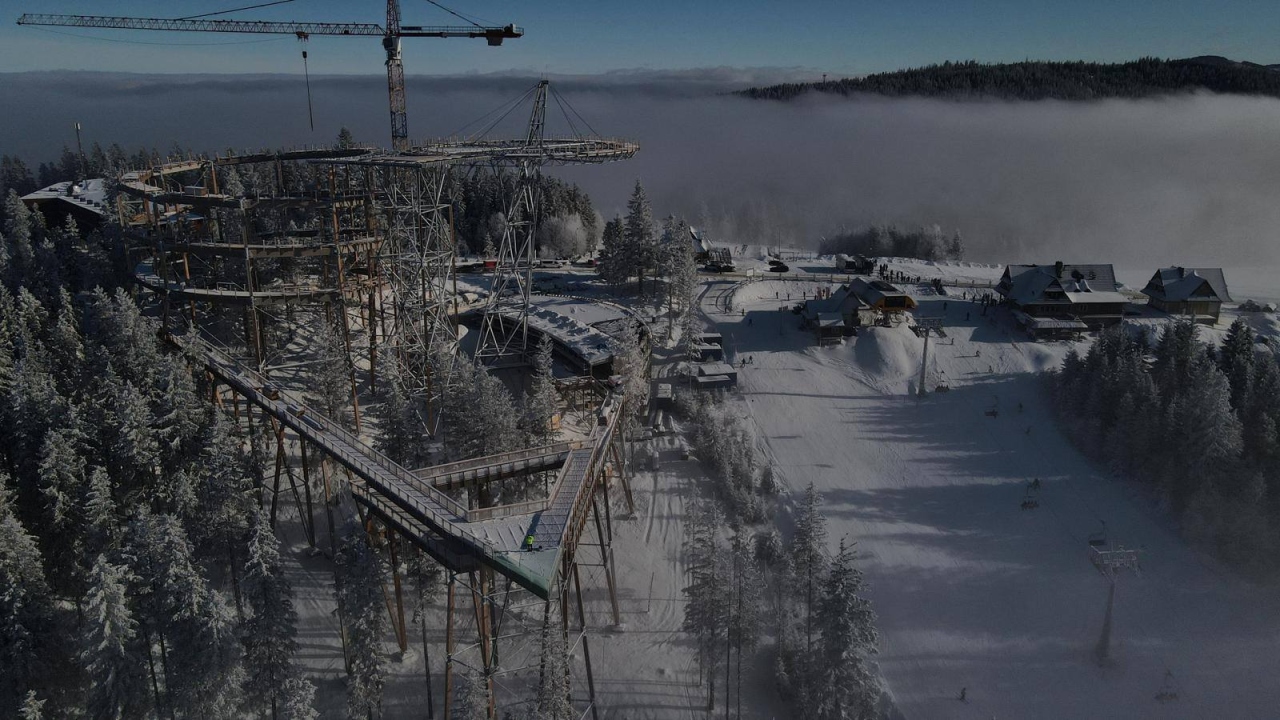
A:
(1197, 293)
(835, 316)
(1045, 297)
(880, 295)
(85, 200)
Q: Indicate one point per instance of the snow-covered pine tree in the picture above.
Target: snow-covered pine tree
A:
(679, 268)
(19, 235)
(179, 412)
(64, 350)
(222, 507)
(747, 610)
(113, 656)
(102, 525)
(808, 559)
(330, 387)
(553, 684)
(63, 486)
(298, 700)
(847, 687)
(45, 277)
(358, 591)
(31, 410)
(269, 634)
(28, 635)
(1174, 352)
(641, 236)
(426, 577)
(1202, 434)
(706, 614)
(192, 623)
(542, 402)
(473, 698)
(956, 250)
(1235, 357)
(32, 707)
(1261, 426)
(614, 265)
(631, 361)
(134, 451)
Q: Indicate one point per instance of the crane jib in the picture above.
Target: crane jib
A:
(265, 27)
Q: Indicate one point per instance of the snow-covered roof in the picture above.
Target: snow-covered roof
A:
(841, 301)
(875, 291)
(1048, 323)
(1078, 284)
(828, 319)
(90, 195)
(716, 368)
(1176, 284)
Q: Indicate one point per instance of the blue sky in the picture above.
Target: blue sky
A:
(580, 36)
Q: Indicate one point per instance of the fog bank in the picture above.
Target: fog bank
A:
(1186, 180)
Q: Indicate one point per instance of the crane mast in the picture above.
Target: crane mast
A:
(395, 79)
(391, 35)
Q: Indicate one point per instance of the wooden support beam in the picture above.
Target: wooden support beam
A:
(606, 557)
(306, 487)
(275, 485)
(586, 647)
(328, 507)
(402, 631)
(448, 645)
(480, 609)
(303, 515)
(622, 474)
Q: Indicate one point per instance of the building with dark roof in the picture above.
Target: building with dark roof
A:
(1194, 292)
(1087, 294)
(86, 201)
(881, 295)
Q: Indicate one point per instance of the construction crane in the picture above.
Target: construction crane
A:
(391, 35)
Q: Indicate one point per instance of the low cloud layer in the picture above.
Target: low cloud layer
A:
(1190, 180)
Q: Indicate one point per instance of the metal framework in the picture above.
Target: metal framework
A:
(1110, 562)
(418, 261)
(505, 336)
(475, 545)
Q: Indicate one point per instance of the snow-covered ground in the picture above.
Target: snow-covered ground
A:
(972, 591)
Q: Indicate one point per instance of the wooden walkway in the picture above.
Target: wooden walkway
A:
(458, 537)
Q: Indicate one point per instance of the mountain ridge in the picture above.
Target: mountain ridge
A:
(1044, 80)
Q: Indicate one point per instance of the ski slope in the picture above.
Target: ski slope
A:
(972, 591)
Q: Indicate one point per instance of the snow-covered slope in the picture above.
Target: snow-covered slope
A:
(972, 591)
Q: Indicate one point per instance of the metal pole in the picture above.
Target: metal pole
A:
(1104, 642)
(84, 164)
(586, 649)
(924, 363)
(448, 647)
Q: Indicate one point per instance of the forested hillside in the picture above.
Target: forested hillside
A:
(139, 572)
(1197, 423)
(1037, 80)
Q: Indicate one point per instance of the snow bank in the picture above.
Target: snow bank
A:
(888, 354)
